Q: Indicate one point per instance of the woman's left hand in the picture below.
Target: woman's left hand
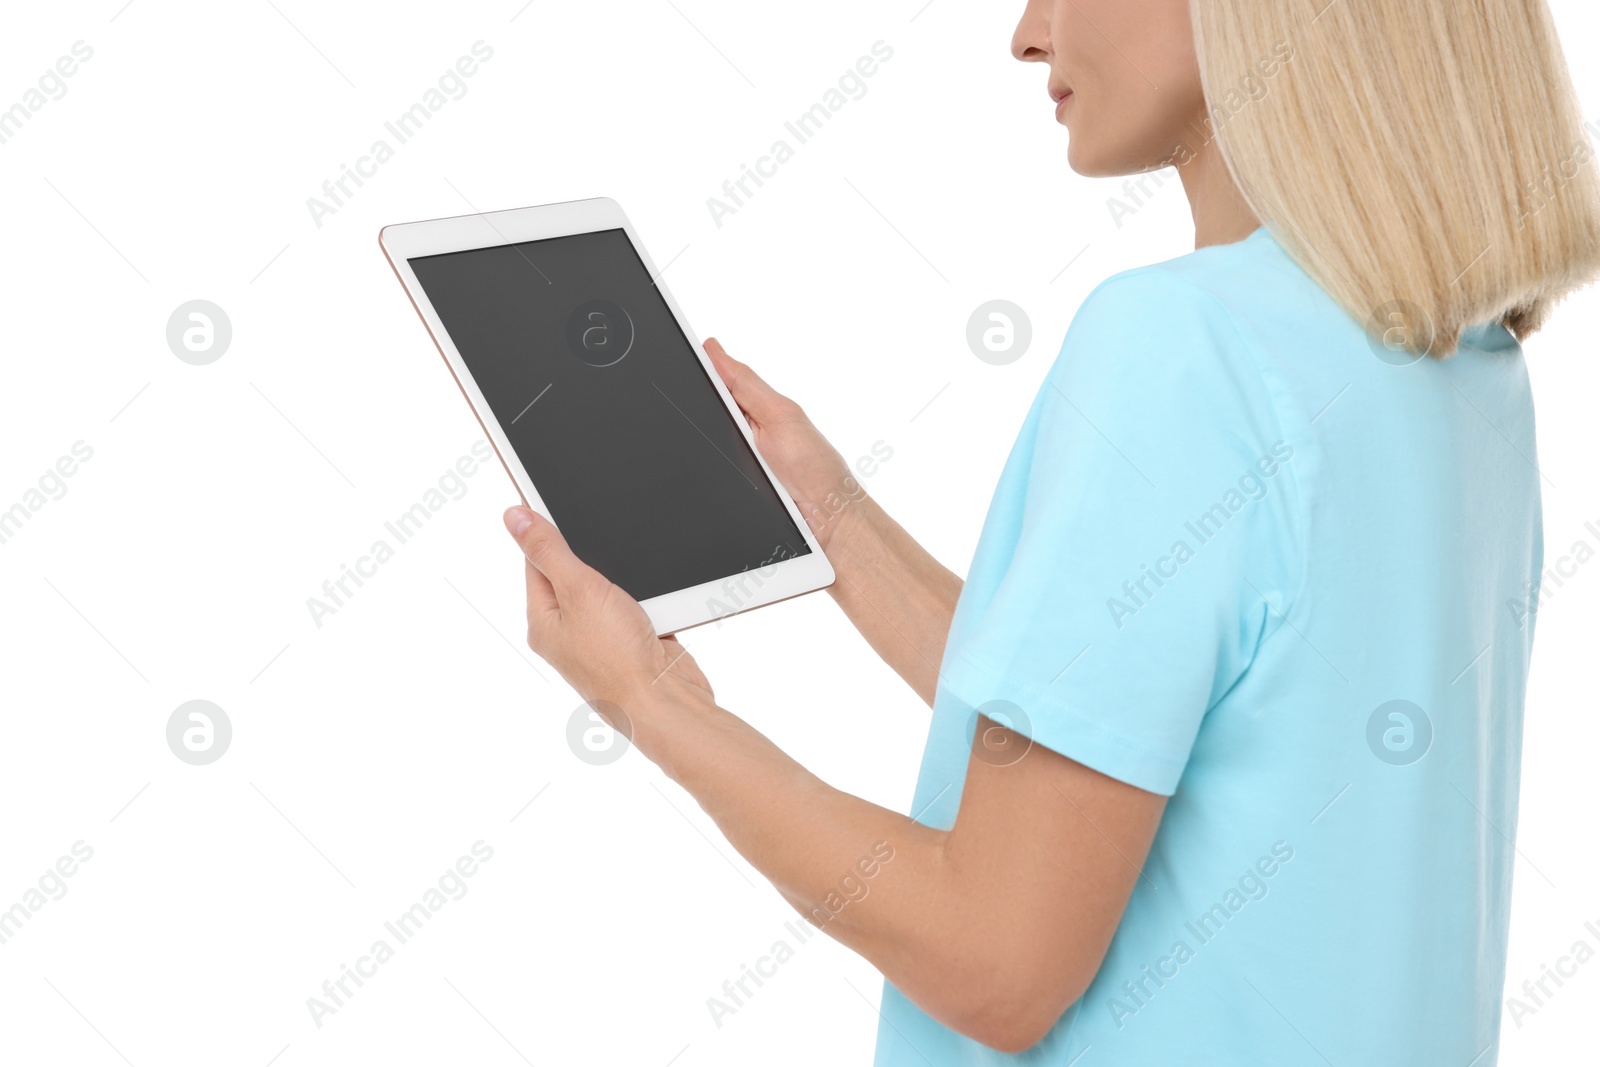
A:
(588, 629)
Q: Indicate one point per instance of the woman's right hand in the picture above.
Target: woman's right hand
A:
(891, 589)
(813, 471)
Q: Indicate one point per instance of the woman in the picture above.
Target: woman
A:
(1223, 762)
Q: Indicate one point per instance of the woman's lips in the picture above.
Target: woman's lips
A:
(1061, 99)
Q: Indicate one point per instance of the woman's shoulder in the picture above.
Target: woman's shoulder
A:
(1235, 279)
(1225, 317)
(1187, 343)
(1187, 311)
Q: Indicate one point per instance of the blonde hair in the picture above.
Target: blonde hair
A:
(1410, 155)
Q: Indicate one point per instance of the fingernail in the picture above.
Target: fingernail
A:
(518, 519)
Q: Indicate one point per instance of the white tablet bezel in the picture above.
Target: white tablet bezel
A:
(669, 612)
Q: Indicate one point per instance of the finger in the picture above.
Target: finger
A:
(680, 663)
(753, 395)
(547, 550)
(541, 594)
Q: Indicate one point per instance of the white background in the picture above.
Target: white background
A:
(370, 753)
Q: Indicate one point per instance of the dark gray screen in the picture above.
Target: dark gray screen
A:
(608, 408)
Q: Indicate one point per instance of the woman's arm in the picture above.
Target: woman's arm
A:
(993, 927)
(898, 596)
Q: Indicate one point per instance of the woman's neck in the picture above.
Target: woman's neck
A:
(1220, 213)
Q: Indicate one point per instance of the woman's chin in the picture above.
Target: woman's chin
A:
(1088, 161)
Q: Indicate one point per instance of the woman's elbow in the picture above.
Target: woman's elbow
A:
(1014, 1013)
(1008, 1034)
(1016, 1027)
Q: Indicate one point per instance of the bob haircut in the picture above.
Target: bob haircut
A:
(1425, 162)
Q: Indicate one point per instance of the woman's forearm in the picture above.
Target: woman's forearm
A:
(994, 934)
(898, 596)
(873, 879)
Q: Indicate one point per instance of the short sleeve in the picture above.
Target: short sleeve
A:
(1143, 539)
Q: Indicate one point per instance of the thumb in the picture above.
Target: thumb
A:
(753, 395)
(545, 548)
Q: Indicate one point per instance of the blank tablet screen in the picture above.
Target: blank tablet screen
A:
(606, 405)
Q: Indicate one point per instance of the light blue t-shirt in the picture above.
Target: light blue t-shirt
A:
(1243, 556)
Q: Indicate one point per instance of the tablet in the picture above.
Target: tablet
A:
(604, 408)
